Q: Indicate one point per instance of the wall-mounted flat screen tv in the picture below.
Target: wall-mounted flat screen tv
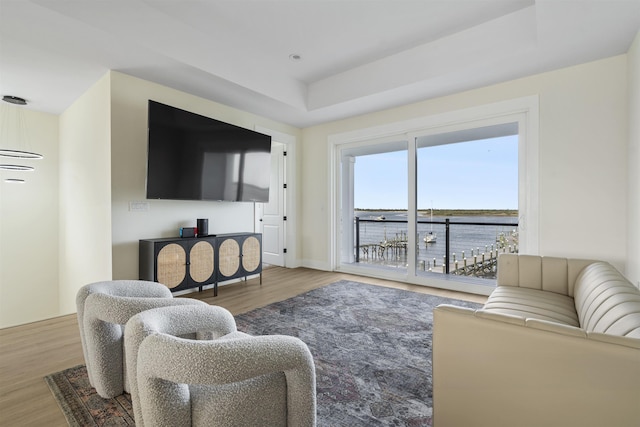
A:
(193, 157)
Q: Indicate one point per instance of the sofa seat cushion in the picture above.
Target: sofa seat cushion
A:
(533, 304)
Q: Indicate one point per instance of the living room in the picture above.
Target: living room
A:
(71, 223)
(89, 220)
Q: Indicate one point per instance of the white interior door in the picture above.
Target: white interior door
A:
(271, 216)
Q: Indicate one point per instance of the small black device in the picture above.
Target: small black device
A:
(188, 232)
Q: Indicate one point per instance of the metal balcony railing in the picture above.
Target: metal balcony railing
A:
(478, 264)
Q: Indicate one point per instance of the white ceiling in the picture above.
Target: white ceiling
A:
(357, 56)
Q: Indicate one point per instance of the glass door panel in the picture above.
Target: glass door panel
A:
(374, 205)
(466, 201)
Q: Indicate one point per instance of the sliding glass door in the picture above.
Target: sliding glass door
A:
(436, 204)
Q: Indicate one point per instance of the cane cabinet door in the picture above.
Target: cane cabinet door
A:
(171, 265)
(229, 256)
(202, 262)
(251, 255)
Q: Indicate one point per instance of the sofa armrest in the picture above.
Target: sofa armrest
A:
(505, 373)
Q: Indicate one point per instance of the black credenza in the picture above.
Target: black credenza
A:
(185, 263)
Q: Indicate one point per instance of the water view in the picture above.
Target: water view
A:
(383, 237)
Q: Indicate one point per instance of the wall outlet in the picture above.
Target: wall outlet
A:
(138, 206)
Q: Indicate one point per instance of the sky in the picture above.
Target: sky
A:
(468, 175)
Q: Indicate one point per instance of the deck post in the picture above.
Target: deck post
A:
(446, 256)
(357, 224)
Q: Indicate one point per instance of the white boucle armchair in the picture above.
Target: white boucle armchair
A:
(224, 378)
(103, 310)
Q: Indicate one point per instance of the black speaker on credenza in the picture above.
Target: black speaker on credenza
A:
(203, 227)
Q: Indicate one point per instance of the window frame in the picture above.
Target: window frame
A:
(523, 111)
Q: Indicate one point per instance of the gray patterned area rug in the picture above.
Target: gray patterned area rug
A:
(371, 347)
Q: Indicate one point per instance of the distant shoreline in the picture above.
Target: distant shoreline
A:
(452, 212)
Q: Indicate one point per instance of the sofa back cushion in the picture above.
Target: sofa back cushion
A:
(550, 274)
(606, 302)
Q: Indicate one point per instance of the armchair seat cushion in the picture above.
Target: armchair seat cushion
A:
(255, 401)
(533, 304)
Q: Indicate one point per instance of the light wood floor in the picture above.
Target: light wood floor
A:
(30, 352)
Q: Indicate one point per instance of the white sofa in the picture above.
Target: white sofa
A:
(556, 344)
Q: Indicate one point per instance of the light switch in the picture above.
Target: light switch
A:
(138, 206)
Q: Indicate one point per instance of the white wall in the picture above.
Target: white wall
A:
(583, 167)
(129, 99)
(85, 193)
(29, 229)
(583, 138)
(633, 220)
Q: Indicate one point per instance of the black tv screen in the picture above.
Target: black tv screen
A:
(193, 157)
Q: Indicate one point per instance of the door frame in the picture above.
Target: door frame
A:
(289, 197)
(277, 192)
